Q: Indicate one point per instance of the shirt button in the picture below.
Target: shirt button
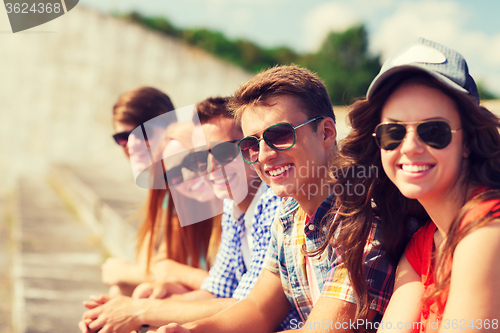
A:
(311, 226)
(325, 229)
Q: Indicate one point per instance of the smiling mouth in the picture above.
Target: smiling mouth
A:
(415, 168)
(279, 171)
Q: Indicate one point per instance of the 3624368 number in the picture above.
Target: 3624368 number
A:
(39, 8)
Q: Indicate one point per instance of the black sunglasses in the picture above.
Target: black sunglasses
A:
(223, 153)
(122, 137)
(281, 136)
(435, 133)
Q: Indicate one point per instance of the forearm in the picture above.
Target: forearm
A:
(162, 312)
(189, 276)
(241, 317)
(135, 274)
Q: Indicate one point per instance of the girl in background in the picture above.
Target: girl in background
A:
(165, 251)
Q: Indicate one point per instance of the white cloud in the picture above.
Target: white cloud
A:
(436, 20)
(325, 18)
(443, 22)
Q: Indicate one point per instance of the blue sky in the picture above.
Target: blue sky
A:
(471, 27)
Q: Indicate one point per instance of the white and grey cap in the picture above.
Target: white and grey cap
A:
(443, 63)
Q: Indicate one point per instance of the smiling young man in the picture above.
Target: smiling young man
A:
(290, 137)
(246, 224)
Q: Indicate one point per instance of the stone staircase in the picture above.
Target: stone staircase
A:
(54, 235)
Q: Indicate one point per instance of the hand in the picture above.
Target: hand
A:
(117, 315)
(158, 290)
(172, 328)
(96, 301)
(83, 325)
(113, 270)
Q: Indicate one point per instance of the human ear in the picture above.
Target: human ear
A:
(329, 132)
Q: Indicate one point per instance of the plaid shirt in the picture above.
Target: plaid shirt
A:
(229, 277)
(284, 257)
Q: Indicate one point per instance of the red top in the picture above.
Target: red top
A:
(419, 254)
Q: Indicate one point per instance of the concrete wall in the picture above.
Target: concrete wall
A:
(60, 80)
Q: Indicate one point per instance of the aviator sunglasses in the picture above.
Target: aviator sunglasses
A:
(434, 133)
(223, 153)
(280, 137)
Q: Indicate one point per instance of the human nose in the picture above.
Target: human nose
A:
(412, 144)
(266, 153)
(135, 142)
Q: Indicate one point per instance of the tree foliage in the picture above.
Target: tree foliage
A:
(345, 65)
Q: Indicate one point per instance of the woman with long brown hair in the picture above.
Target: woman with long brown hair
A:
(165, 251)
(437, 155)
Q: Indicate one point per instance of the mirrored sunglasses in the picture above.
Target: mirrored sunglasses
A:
(280, 137)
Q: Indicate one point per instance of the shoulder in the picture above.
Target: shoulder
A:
(482, 209)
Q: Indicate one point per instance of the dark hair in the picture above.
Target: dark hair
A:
(212, 107)
(137, 106)
(381, 197)
(284, 80)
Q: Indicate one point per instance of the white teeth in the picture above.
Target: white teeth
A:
(415, 168)
(279, 171)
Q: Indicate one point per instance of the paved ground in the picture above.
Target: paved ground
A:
(56, 262)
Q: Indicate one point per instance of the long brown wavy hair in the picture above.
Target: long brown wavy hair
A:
(399, 215)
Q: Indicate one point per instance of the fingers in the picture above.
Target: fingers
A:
(101, 299)
(97, 325)
(143, 290)
(91, 305)
(82, 325)
(92, 314)
(160, 291)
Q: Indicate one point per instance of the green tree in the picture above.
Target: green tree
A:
(344, 64)
(484, 93)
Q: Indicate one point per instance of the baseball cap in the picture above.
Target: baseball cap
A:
(441, 62)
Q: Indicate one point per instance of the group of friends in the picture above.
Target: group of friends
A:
(259, 220)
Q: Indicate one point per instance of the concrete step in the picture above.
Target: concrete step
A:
(108, 204)
(56, 261)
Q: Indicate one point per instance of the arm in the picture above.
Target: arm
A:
(173, 272)
(262, 311)
(405, 304)
(124, 314)
(118, 271)
(474, 297)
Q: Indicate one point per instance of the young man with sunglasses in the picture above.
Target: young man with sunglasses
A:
(244, 240)
(290, 137)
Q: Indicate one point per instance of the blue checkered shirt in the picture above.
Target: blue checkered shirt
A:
(229, 277)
